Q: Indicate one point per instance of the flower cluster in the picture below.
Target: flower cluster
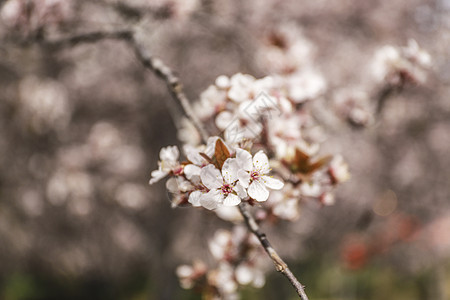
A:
(354, 106)
(264, 117)
(43, 105)
(34, 15)
(269, 118)
(270, 114)
(240, 261)
(222, 173)
(272, 118)
(393, 67)
(260, 111)
(214, 176)
(284, 50)
(399, 65)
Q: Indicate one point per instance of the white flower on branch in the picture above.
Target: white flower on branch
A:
(354, 106)
(338, 170)
(249, 274)
(168, 163)
(284, 204)
(305, 85)
(253, 174)
(43, 105)
(222, 279)
(189, 274)
(396, 65)
(239, 262)
(223, 187)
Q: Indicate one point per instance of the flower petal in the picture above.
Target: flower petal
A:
(240, 191)
(258, 279)
(194, 198)
(231, 200)
(238, 94)
(193, 155)
(229, 213)
(211, 177)
(169, 153)
(211, 200)
(310, 189)
(211, 146)
(172, 185)
(192, 170)
(258, 191)
(272, 183)
(229, 170)
(157, 175)
(234, 133)
(224, 119)
(244, 178)
(184, 185)
(261, 162)
(244, 274)
(244, 159)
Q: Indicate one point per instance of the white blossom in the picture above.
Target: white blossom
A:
(222, 186)
(250, 274)
(223, 82)
(284, 204)
(253, 174)
(395, 64)
(339, 169)
(229, 213)
(187, 133)
(168, 162)
(305, 85)
(222, 278)
(241, 87)
(310, 189)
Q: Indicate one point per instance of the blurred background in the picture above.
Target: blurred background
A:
(81, 127)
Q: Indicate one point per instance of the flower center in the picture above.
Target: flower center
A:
(255, 175)
(178, 171)
(226, 189)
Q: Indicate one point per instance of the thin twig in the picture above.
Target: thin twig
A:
(173, 84)
(383, 95)
(280, 265)
(158, 67)
(87, 38)
(175, 88)
(71, 41)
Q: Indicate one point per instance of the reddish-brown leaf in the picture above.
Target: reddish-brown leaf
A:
(303, 164)
(208, 159)
(221, 154)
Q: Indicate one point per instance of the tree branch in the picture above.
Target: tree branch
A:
(280, 265)
(88, 38)
(71, 41)
(383, 95)
(161, 70)
(152, 63)
(175, 88)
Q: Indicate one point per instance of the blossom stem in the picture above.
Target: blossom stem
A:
(383, 95)
(280, 265)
